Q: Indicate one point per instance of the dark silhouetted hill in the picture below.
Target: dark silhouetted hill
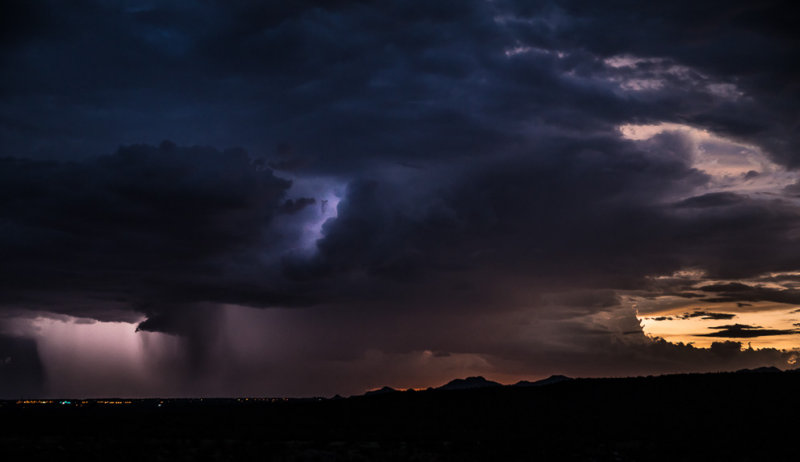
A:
(759, 370)
(381, 391)
(468, 384)
(548, 381)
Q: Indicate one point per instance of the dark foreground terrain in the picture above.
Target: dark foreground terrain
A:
(708, 417)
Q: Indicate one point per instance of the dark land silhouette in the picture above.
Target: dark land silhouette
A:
(747, 415)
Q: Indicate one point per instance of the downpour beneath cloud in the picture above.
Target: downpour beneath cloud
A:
(301, 198)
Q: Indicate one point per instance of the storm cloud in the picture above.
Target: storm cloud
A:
(483, 180)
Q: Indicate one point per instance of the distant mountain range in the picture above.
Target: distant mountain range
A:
(381, 391)
(471, 383)
(759, 370)
(548, 381)
(476, 382)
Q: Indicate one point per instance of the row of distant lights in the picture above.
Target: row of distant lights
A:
(70, 403)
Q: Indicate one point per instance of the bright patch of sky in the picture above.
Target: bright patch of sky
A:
(684, 313)
(732, 165)
(327, 193)
(87, 358)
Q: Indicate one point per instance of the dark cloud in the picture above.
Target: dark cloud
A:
(711, 200)
(734, 291)
(144, 227)
(296, 205)
(510, 216)
(751, 174)
(724, 355)
(727, 287)
(745, 331)
(711, 38)
(355, 81)
(707, 315)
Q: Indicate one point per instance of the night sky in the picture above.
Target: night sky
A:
(226, 198)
